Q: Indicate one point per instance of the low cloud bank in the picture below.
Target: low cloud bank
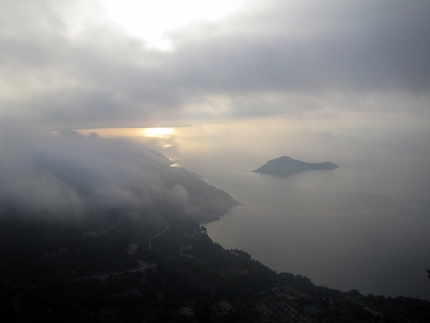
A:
(68, 175)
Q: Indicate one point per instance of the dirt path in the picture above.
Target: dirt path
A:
(150, 239)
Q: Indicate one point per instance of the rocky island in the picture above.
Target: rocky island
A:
(285, 166)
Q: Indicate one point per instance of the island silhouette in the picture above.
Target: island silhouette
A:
(285, 166)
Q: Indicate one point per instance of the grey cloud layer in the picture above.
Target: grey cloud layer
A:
(70, 174)
(58, 75)
(319, 46)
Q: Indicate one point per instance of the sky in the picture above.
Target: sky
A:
(75, 64)
(351, 72)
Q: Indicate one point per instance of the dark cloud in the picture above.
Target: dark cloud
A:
(63, 72)
(347, 45)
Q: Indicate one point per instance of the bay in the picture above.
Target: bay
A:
(346, 229)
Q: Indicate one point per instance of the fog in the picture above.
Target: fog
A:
(67, 176)
(381, 157)
(342, 81)
(346, 81)
(360, 226)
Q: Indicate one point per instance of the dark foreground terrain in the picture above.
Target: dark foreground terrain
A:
(117, 268)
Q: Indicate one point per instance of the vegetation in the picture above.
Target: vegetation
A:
(90, 272)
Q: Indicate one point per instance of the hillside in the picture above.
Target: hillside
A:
(154, 262)
(140, 270)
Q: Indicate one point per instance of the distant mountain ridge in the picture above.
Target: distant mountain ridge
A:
(284, 166)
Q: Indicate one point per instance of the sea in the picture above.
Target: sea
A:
(352, 227)
(364, 225)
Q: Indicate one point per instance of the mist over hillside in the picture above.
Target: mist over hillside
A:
(67, 176)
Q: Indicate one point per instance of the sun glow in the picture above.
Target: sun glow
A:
(158, 132)
(150, 20)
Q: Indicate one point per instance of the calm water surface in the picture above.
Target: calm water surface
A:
(343, 228)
